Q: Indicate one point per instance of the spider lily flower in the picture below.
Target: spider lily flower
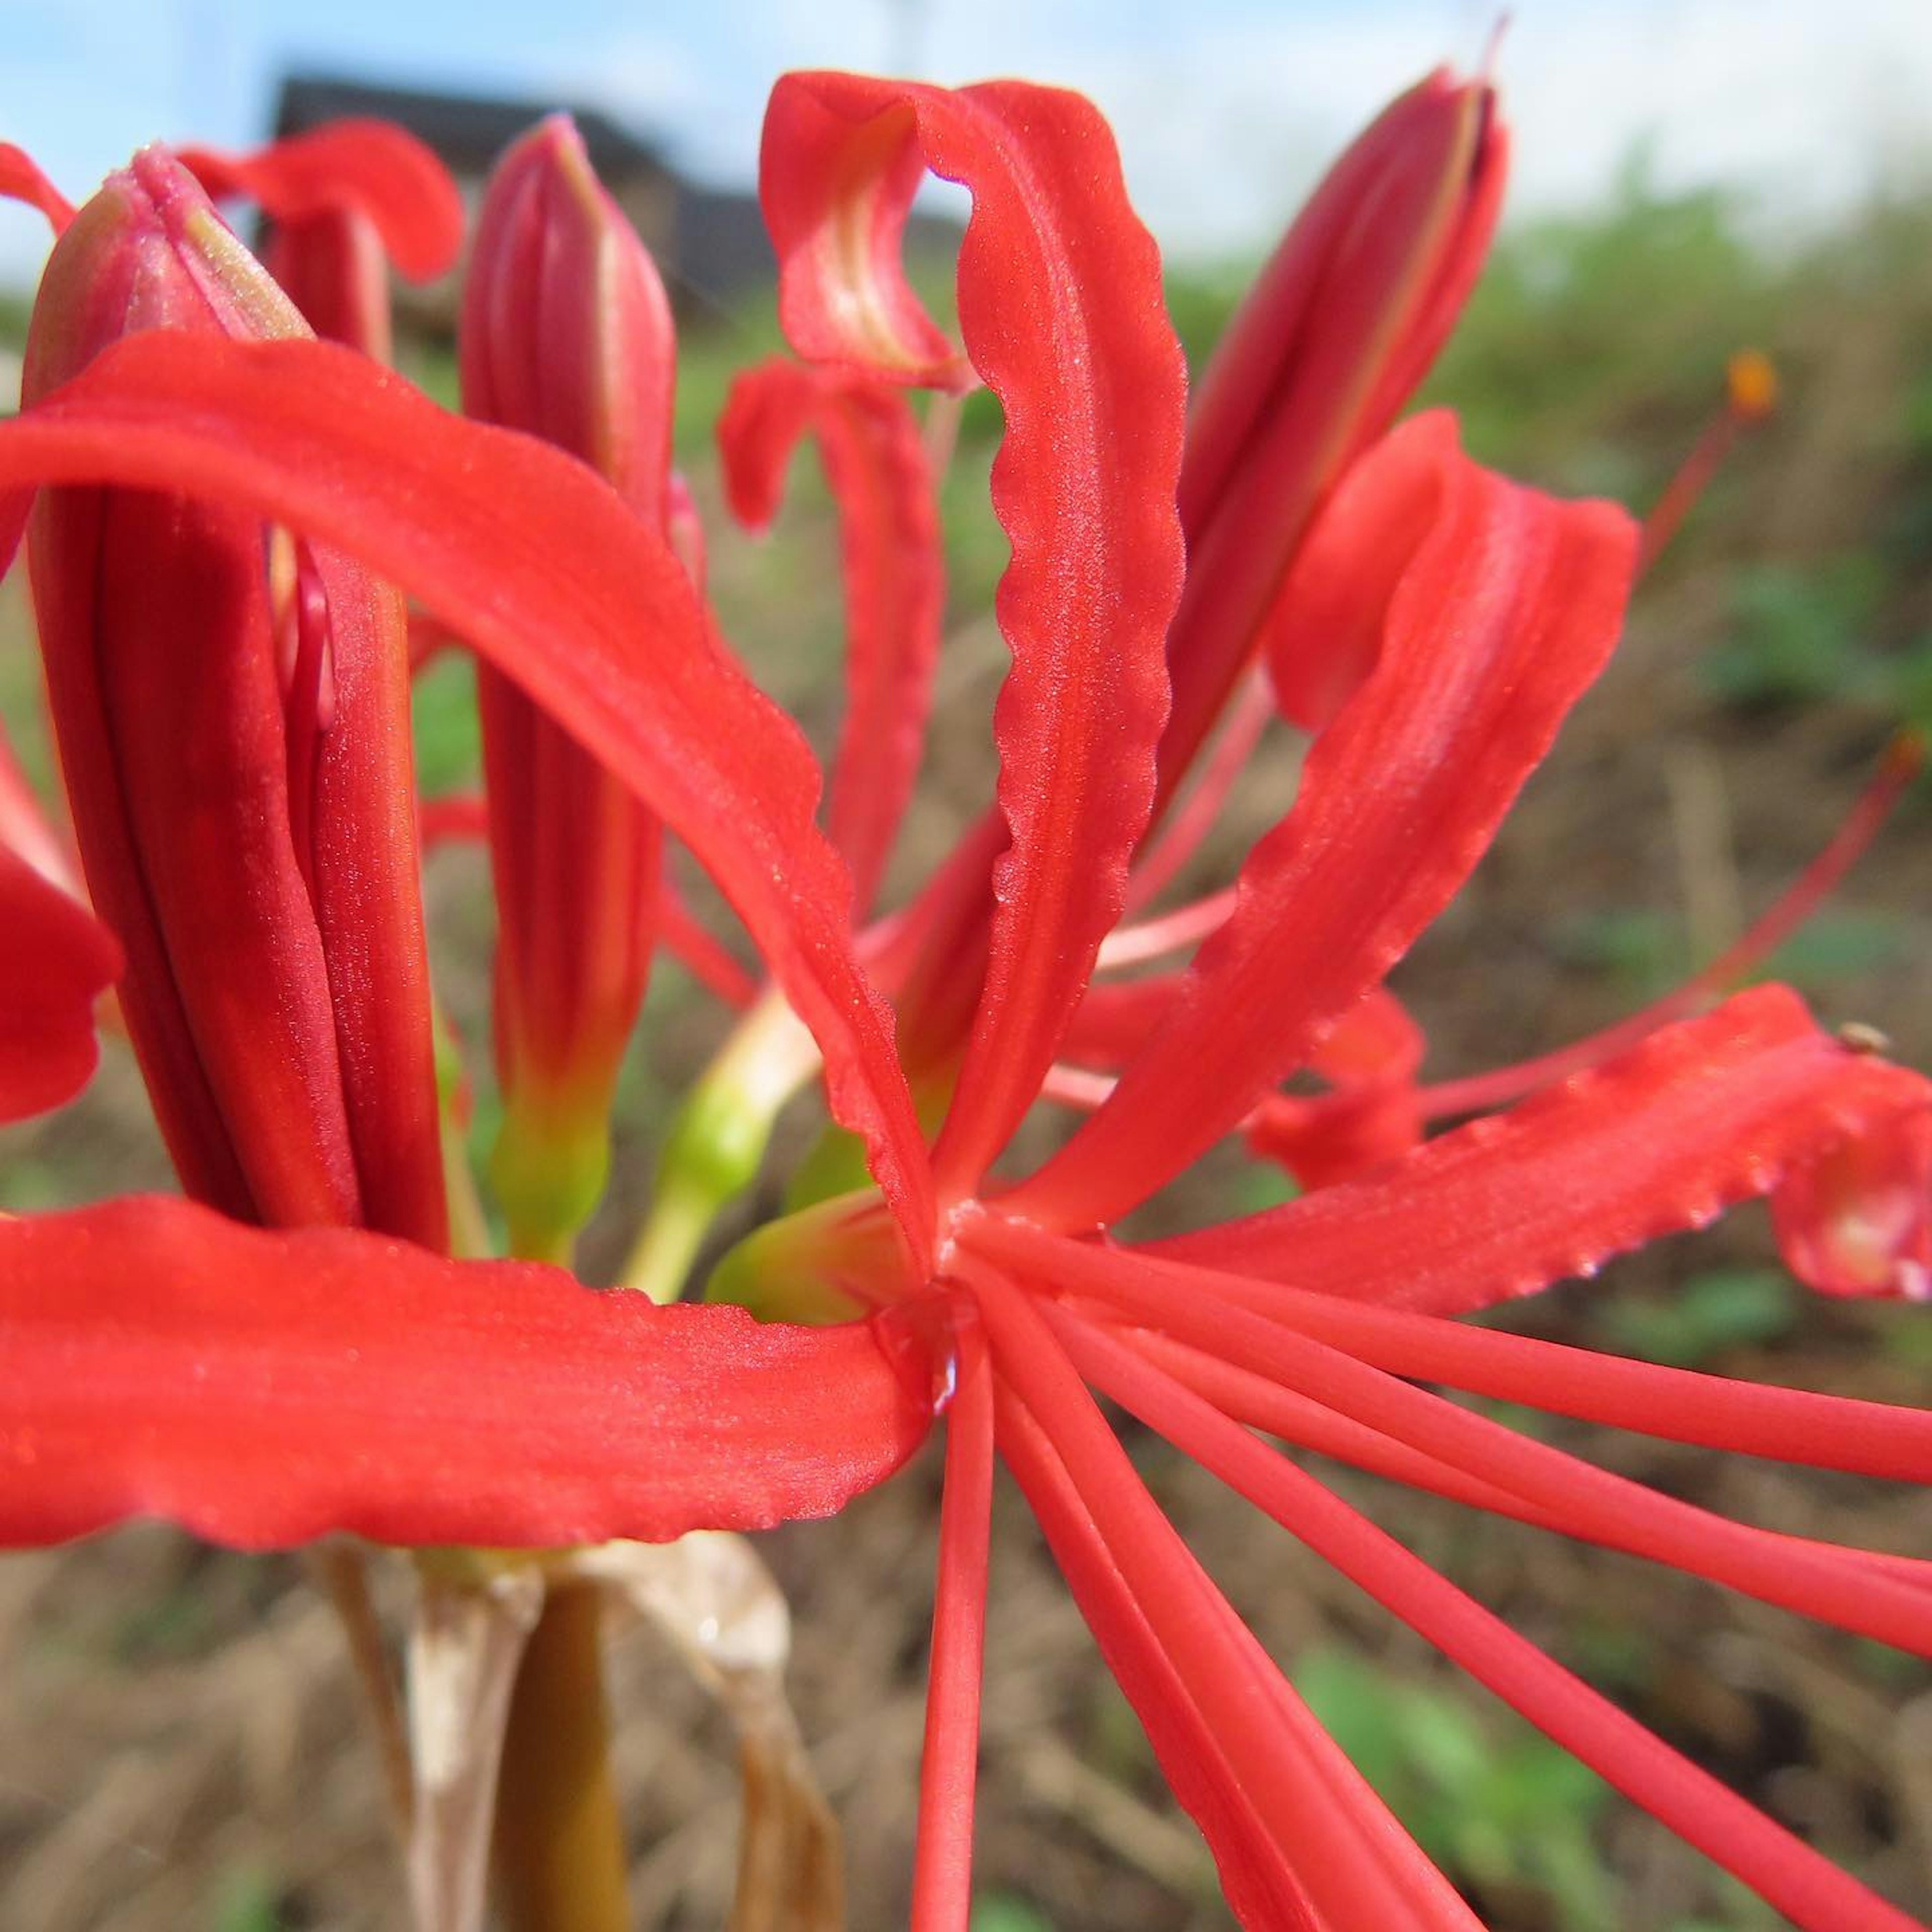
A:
(347, 200)
(237, 758)
(566, 334)
(1004, 1298)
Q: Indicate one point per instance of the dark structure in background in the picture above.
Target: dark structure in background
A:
(710, 243)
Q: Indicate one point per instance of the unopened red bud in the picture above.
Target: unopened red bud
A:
(1339, 329)
(235, 744)
(566, 333)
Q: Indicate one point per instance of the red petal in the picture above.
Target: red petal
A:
(546, 572)
(57, 959)
(264, 1389)
(1858, 1219)
(21, 179)
(1489, 630)
(1372, 1116)
(377, 169)
(1703, 1115)
(1059, 305)
(876, 468)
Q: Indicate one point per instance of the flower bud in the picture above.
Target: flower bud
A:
(347, 200)
(231, 706)
(1339, 329)
(566, 334)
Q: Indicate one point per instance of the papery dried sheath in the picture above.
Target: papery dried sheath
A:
(566, 335)
(232, 711)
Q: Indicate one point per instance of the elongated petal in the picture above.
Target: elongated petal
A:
(1490, 627)
(57, 960)
(545, 571)
(1060, 310)
(381, 171)
(264, 1389)
(894, 572)
(1703, 1115)
(22, 179)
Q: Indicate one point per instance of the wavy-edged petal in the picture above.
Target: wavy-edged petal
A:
(1705, 1114)
(893, 568)
(1858, 1218)
(57, 960)
(546, 572)
(1490, 626)
(264, 1389)
(1060, 305)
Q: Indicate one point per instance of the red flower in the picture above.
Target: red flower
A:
(416, 1398)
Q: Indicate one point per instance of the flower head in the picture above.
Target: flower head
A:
(1442, 619)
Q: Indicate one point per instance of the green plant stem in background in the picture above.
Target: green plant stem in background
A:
(560, 1841)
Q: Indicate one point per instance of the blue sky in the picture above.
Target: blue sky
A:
(1225, 108)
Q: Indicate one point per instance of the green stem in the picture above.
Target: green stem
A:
(559, 1842)
(717, 1141)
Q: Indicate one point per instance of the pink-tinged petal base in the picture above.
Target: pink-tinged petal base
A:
(57, 959)
(262, 1389)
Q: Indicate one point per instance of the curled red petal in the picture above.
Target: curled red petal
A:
(57, 960)
(1060, 310)
(1703, 1115)
(894, 572)
(22, 179)
(262, 1390)
(1857, 1219)
(545, 572)
(379, 170)
(1490, 624)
